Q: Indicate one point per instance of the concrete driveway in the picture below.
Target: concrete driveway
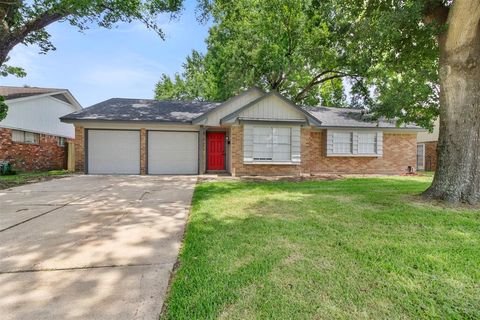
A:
(90, 247)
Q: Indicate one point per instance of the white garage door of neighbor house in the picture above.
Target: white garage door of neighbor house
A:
(172, 152)
(113, 152)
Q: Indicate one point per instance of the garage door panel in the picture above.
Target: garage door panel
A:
(113, 152)
(172, 152)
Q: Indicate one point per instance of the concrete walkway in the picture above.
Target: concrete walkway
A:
(90, 247)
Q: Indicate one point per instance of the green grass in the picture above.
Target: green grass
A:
(427, 173)
(21, 178)
(344, 249)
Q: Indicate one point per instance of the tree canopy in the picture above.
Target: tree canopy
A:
(375, 54)
(25, 21)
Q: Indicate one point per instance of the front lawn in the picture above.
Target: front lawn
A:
(349, 249)
(29, 177)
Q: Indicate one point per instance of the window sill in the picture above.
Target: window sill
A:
(29, 143)
(275, 163)
(373, 155)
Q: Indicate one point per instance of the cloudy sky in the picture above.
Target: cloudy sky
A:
(100, 64)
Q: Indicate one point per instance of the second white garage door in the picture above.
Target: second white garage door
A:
(113, 152)
(172, 152)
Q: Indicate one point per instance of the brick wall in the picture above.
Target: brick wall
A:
(143, 151)
(399, 152)
(431, 156)
(79, 149)
(46, 155)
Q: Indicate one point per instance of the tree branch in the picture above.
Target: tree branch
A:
(435, 12)
(41, 21)
(7, 11)
(318, 79)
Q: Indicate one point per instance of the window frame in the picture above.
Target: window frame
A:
(36, 137)
(375, 144)
(421, 167)
(343, 143)
(61, 142)
(274, 140)
(355, 144)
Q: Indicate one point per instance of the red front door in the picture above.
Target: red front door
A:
(215, 150)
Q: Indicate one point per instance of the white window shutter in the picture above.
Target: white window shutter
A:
(329, 142)
(247, 143)
(380, 143)
(354, 142)
(296, 144)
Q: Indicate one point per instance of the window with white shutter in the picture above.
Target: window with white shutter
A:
(357, 143)
(272, 144)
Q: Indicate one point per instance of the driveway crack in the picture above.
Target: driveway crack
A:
(49, 211)
(89, 267)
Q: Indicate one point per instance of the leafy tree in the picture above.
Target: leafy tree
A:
(290, 46)
(3, 108)
(193, 84)
(25, 21)
(428, 54)
(406, 59)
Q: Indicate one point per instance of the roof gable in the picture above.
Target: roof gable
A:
(16, 94)
(271, 107)
(213, 116)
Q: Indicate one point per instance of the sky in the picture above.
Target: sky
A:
(100, 64)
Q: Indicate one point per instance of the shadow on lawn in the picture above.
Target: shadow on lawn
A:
(357, 253)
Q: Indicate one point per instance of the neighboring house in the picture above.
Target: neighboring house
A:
(253, 133)
(32, 137)
(427, 149)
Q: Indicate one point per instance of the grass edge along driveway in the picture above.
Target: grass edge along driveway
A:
(21, 178)
(353, 248)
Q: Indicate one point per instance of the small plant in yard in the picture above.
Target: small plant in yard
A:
(343, 249)
(6, 168)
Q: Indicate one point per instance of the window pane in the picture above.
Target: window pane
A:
(420, 155)
(367, 143)
(262, 143)
(282, 144)
(31, 137)
(342, 142)
(18, 136)
(272, 143)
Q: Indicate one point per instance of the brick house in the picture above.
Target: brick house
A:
(253, 133)
(32, 137)
(427, 149)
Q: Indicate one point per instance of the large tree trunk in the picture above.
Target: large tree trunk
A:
(5, 48)
(457, 178)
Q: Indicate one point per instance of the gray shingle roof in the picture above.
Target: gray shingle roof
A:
(348, 117)
(119, 109)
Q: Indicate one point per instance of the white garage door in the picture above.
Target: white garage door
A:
(172, 152)
(113, 152)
